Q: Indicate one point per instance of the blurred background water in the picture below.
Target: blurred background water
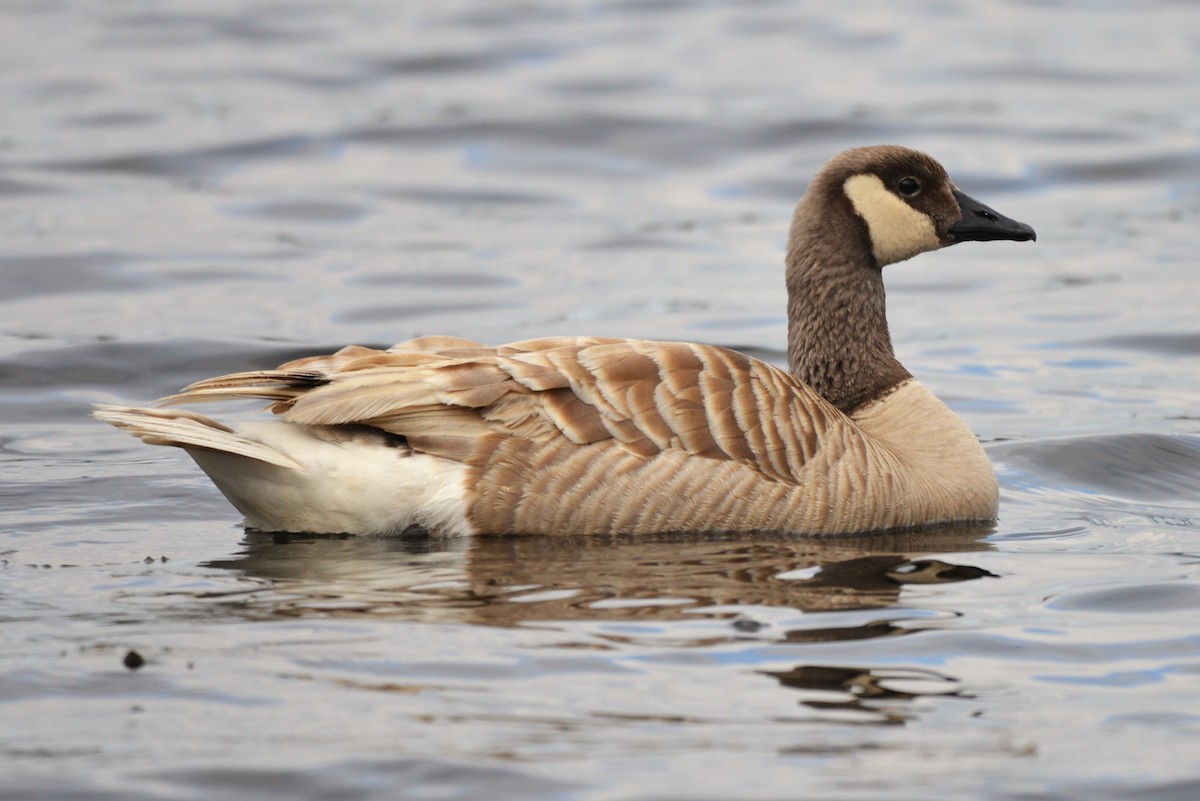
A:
(189, 188)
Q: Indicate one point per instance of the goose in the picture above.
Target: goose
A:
(592, 435)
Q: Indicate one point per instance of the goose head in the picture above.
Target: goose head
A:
(867, 208)
(905, 203)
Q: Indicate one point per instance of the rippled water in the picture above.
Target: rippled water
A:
(194, 188)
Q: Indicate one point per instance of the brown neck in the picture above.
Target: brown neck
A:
(838, 339)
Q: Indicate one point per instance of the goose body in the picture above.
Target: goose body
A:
(591, 435)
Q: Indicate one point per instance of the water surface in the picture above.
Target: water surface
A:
(199, 188)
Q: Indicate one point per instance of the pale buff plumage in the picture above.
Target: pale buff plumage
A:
(581, 435)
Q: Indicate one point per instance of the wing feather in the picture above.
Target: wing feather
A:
(459, 399)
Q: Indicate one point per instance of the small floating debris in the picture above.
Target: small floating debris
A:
(748, 625)
(133, 660)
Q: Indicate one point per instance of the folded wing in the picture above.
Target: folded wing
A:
(456, 398)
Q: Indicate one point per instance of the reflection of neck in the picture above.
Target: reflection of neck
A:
(838, 340)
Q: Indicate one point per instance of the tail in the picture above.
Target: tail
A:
(288, 477)
(188, 430)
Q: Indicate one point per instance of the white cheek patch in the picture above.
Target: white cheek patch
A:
(898, 231)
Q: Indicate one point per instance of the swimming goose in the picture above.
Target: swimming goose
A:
(591, 435)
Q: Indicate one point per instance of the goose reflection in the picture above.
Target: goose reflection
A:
(510, 581)
(881, 693)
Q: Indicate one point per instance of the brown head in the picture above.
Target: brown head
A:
(867, 208)
(900, 202)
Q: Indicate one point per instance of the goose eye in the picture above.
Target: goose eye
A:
(909, 187)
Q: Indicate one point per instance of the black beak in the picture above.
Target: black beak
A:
(981, 224)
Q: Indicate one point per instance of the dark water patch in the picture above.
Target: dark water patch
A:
(1178, 721)
(112, 119)
(1181, 790)
(1090, 279)
(587, 163)
(146, 369)
(306, 211)
(474, 197)
(1161, 344)
(439, 279)
(357, 780)
(1049, 535)
(1139, 599)
(114, 683)
(256, 25)
(1173, 168)
(1043, 74)
(43, 503)
(363, 780)
(1081, 316)
(649, 6)
(939, 646)
(807, 130)
(29, 276)
(580, 131)
(510, 15)
(202, 162)
(433, 246)
(270, 32)
(636, 243)
(824, 32)
(932, 287)
(392, 314)
(602, 86)
(65, 274)
(322, 81)
(1076, 135)
(443, 62)
(1142, 467)
(12, 188)
(66, 88)
(783, 190)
